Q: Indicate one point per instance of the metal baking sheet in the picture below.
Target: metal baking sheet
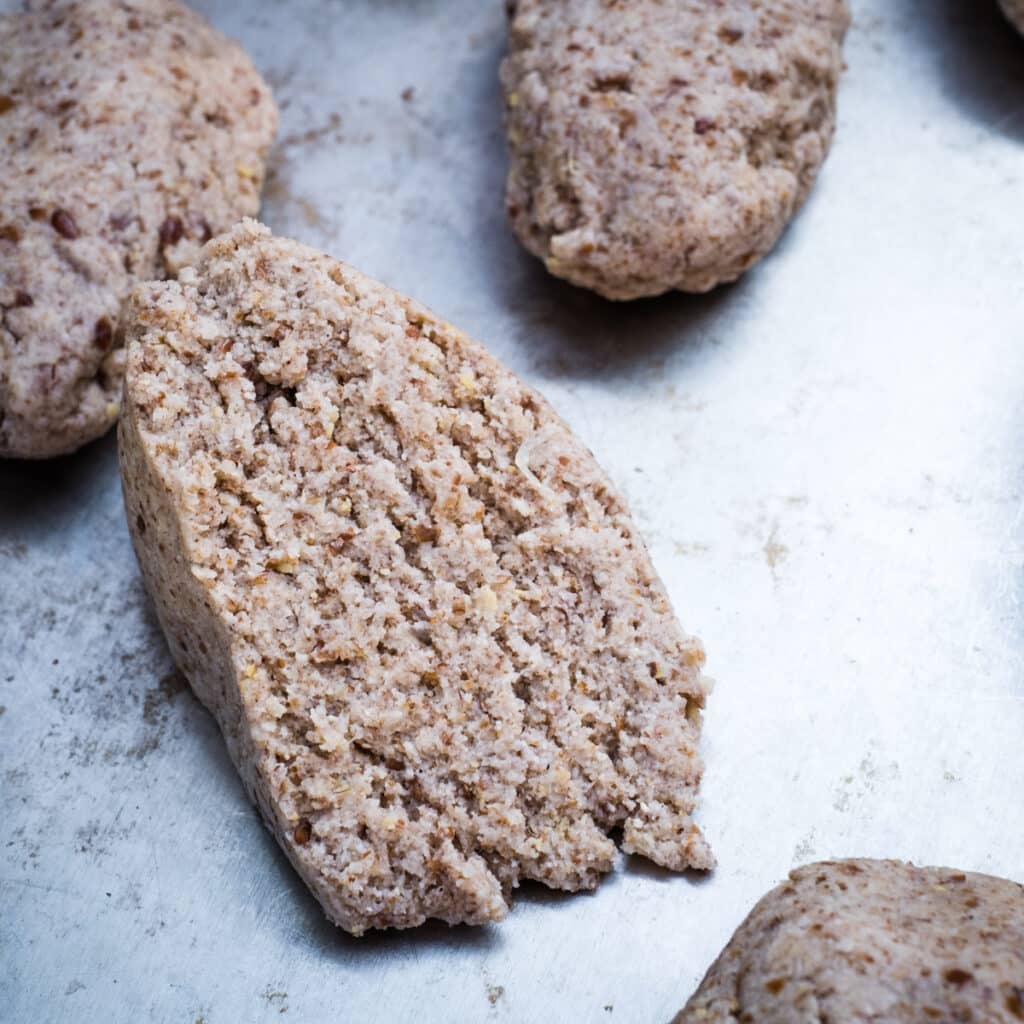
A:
(825, 460)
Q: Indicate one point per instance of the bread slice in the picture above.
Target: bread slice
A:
(132, 132)
(438, 651)
(872, 941)
(657, 146)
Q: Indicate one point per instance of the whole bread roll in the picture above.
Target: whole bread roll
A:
(657, 146)
(132, 133)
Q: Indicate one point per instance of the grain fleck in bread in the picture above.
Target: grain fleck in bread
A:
(1014, 10)
(130, 132)
(658, 146)
(878, 941)
(436, 647)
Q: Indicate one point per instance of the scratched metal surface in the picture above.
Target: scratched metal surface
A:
(826, 461)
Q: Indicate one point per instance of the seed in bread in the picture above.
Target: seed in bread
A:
(435, 644)
(132, 132)
(657, 146)
(872, 941)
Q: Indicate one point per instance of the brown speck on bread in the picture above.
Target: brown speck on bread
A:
(172, 230)
(428, 617)
(64, 224)
(103, 333)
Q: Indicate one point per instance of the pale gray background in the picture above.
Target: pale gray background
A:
(825, 459)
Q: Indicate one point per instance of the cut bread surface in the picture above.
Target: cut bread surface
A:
(436, 646)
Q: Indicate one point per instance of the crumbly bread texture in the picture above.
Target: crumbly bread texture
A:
(130, 133)
(872, 941)
(438, 651)
(1015, 12)
(658, 146)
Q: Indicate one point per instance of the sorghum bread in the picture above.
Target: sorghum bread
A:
(658, 146)
(131, 133)
(435, 644)
(869, 940)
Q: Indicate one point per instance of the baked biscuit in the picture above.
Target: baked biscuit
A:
(132, 132)
(869, 940)
(658, 146)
